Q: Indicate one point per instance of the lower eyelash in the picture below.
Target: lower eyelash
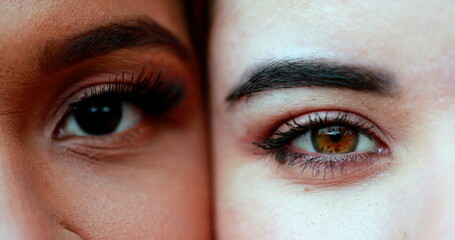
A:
(322, 164)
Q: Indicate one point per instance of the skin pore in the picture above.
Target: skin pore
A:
(278, 74)
(142, 181)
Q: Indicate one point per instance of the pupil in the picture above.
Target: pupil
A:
(98, 117)
(335, 136)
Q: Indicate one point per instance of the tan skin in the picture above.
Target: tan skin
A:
(142, 182)
(402, 187)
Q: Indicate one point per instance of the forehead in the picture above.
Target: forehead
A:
(414, 39)
(66, 15)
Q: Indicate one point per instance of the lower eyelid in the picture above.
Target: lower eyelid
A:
(110, 147)
(331, 171)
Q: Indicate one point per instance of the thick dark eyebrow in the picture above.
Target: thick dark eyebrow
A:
(105, 39)
(313, 73)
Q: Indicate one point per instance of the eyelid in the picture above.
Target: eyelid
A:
(107, 148)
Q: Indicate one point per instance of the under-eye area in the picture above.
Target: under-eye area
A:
(328, 147)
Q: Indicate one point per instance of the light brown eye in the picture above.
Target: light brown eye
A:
(334, 140)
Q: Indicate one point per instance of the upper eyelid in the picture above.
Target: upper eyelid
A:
(340, 118)
(136, 84)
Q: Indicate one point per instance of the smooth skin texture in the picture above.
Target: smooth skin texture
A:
(146, 183)
(408, 193)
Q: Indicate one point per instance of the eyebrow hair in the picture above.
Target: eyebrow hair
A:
(105, 39)
(313, 73)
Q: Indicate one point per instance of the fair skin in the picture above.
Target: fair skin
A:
(66, 175)
(399, 184)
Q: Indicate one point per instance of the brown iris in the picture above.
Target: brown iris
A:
(334, 140)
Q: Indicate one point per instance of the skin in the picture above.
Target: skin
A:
(408, 193)
(150, 184)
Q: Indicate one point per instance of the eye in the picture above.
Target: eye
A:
(100, 116)
(120, 104)
(328, 145)
(335, 140)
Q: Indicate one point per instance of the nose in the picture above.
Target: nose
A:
(23, 213)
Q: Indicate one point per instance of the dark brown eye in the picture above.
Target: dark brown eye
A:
(335, 140)
(100, 116)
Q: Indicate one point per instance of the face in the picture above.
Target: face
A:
(333, 121)
(99, 102)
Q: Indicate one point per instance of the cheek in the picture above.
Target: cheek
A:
(254, 203)
(144, 195)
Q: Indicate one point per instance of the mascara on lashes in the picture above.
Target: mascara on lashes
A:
(151, 91)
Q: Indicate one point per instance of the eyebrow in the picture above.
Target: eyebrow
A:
(106, 39)
(313, 73)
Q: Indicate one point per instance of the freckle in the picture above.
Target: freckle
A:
(281, 157)
(307, 189)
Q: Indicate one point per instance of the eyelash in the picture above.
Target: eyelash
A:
(277, 145)
(151, 91)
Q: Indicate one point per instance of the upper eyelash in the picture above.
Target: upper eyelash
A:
(274, 144)
(151, 91)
